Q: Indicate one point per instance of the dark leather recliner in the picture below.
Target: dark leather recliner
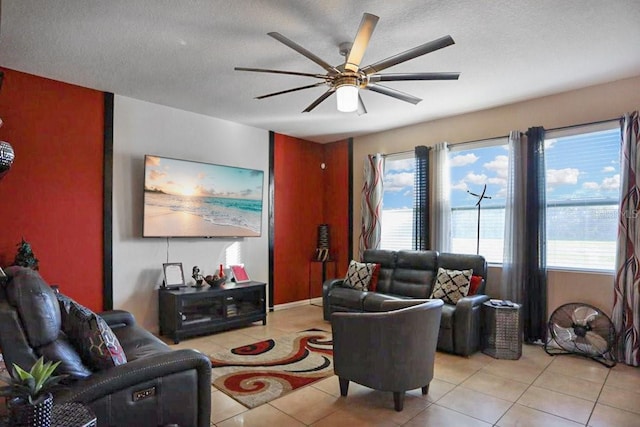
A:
(391, 350)
(155, 387)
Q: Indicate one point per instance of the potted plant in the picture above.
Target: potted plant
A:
(30, 400)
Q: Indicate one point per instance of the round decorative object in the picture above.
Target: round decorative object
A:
(6, 157)
(215, 282)
(38, 414)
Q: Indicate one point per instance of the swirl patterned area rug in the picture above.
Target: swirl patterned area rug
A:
(258, 373)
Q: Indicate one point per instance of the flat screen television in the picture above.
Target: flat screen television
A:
(184, 198)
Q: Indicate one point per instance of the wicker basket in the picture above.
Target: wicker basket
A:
(502, 331)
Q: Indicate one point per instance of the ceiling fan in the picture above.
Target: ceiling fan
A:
(346, 79)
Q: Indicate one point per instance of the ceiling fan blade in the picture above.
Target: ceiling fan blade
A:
(361, 108)
(393, 93)
(289, 90)
(293, 73)
(295, 46)
(317, 102)
(409, 54)
(361, 41)
(412, 76)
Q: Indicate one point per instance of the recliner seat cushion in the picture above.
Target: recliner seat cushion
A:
(70, 362)
(138, 342)
(374, 301)
(347, 297)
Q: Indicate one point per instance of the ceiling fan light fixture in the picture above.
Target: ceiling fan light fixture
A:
(347, 94)
(347, 97)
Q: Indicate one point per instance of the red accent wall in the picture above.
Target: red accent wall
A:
(336, 202)
(53, 194)
(306, 196)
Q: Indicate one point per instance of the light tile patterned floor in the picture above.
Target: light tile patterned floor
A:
(537, 390)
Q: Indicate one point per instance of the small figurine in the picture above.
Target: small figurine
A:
(195, 273)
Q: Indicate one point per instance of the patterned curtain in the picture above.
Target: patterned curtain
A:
(534, 309)
(442, 200)
(626, 299)
(421, 199)
(371, 202)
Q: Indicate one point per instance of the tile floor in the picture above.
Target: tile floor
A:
(536, 390)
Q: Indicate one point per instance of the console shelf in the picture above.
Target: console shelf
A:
(195, 311)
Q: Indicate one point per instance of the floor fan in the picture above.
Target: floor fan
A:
(578, 328)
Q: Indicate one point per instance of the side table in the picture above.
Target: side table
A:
(71, 414)
(502, 331)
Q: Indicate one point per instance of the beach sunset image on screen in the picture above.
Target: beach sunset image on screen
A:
(192, 199)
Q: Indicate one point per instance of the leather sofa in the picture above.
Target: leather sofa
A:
(391, 351)
(411, 274)
(155, 387)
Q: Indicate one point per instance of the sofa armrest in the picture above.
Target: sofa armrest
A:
(331, 283)
(472, 301)
(138, 371)
(118, 318)
(467, 324)
(326, 287)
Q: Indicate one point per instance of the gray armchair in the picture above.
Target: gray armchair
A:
(389, 351)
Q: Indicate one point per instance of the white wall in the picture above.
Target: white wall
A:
(144, 128)
(601, 102)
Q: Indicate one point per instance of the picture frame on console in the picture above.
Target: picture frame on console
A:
(239, 274)
(173, 275)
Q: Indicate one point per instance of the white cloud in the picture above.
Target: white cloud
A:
(476, 179)
(500, 165)
(398, 181)
(562, 176)
(463, 160)
(611, 183)
(498, 181)
(462, 186)
(401, 165)
(591, 185)
(608, 169)
(608, 184)
(549, 143)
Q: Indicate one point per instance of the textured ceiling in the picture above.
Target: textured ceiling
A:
(181, 53)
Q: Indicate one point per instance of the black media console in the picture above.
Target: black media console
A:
(195, 311)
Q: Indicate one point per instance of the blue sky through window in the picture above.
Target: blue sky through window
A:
(592, 172)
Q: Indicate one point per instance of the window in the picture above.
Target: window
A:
(397, 206)
(472, 167)
(583, 191)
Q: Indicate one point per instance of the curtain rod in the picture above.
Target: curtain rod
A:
(598, 122)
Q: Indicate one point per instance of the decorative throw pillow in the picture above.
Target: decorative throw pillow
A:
(373, 283)
(359, 275)
(65, 305)
(451, 285)
(475, 283)
(98, 346)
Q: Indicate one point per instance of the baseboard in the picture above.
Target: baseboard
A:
(314, 301)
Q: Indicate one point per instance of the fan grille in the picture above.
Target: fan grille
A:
(582, 328)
